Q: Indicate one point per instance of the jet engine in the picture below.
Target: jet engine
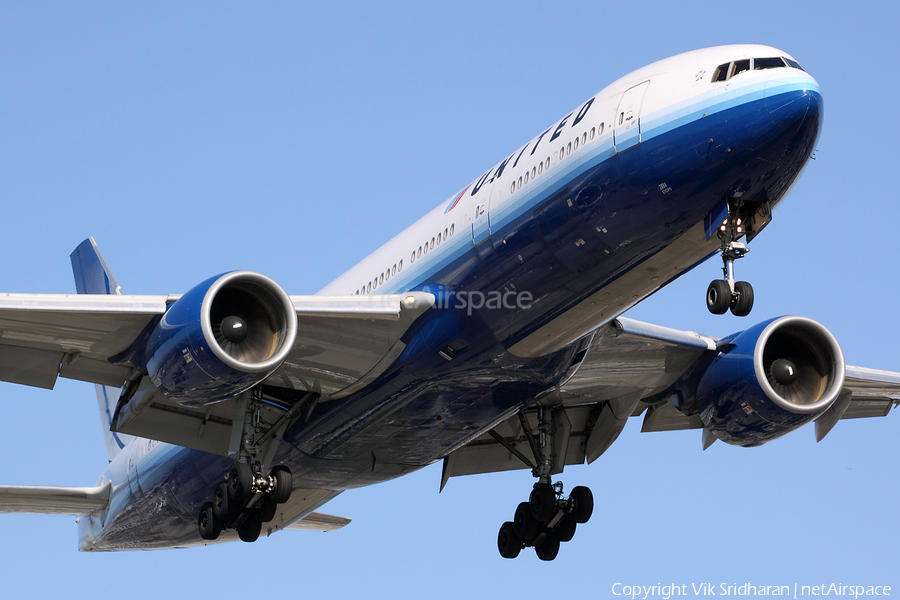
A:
(221, 338)
(770, 380)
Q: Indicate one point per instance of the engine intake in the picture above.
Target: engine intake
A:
(770, 380)
(221, 338)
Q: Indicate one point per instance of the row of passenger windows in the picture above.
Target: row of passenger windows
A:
(384, 277)
(545, 165)
(729, 70)
(448, 232)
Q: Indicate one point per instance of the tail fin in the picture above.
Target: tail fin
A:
(93, 276)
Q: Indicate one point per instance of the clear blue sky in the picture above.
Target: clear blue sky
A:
(196, 138)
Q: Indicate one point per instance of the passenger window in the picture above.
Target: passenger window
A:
(432, 242)
(512, 188)
(600, 129)
(412, 257)
(451, 228)
(592, 133)
(584, 138)
(394, 270)
(425, 248)
(547, 163)
(740, 66)
(375, 284)
(569, 148)
(721, 73)
(381, 279)
(540, 167)
(399, 266)
(520, 183)
(533, 172)
(445, 233)
(526, 177)
(419, 252)
(439, 238)
(576, 144)
(767, 63)
(387, 275)
(369, 287)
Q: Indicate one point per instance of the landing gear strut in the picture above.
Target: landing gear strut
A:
(247, 498)
(548, 517)
(726, 293)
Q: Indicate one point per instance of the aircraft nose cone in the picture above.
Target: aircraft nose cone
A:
(792, 107)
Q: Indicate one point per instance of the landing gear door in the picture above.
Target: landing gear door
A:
(627, 132)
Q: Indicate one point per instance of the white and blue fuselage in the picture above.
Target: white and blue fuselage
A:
(599, 210)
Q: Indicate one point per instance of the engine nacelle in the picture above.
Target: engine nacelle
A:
(770, 380)
(221, 338)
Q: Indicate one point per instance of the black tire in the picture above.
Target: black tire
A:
(744, 303)
(508, 542)
(718, 297)
(548, 549)
(267, 510)
(525, 524)
(543, 502)
(210, 527)
(250, 529)
(224, 509)
(240, 483)
(584, 503)
(284, 484)
(565, 530)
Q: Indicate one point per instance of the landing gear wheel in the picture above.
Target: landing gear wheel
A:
(267, 510)
(508, 542)
(718, 297)
(584, 503)
(210, 527)
(542, 501)
(565, 531)
(744, 302)
(240, 482)
(224, 509)
(548, 549)
(250, 529)
(284, 483)
(526, 526)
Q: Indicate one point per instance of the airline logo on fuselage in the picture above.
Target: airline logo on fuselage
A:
(456, 200)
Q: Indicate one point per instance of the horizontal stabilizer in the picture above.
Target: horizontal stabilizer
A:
(319, 522)
(78, 501)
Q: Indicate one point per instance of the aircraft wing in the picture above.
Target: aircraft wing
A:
(630, 368)
(78, 501)
(343, 343)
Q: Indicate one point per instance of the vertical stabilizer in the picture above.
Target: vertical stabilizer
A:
(93, 276)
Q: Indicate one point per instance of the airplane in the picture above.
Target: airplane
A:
(488, 335)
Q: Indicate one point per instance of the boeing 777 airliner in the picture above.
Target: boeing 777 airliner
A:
(489, 334)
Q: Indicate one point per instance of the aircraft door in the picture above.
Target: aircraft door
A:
(481, 228)
(627, 133)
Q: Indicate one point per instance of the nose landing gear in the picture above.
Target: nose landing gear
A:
(726, 293)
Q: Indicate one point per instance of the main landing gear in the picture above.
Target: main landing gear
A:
(726, 293)
(548, 518)
(248, 498)
(244, 502)
(545, 520)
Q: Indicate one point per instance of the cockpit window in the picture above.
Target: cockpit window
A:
(767, 63)
(740, 66)
(721, 73)
(794, 64)
(729, 70)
